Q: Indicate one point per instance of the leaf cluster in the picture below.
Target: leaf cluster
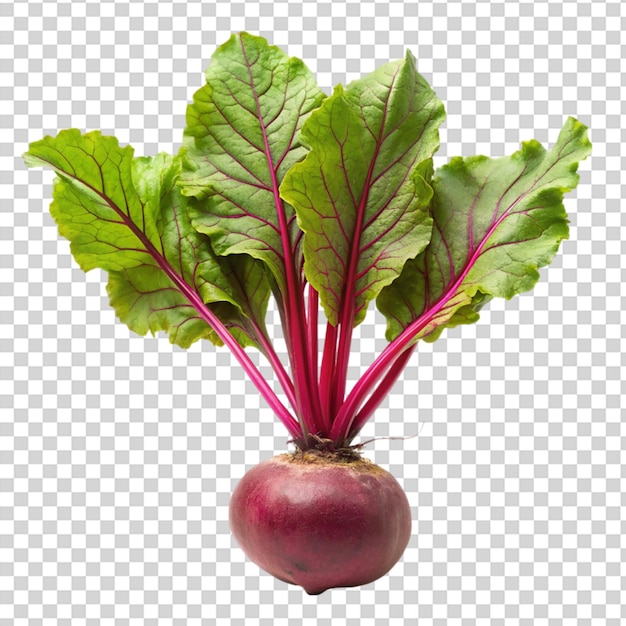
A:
(326, 203)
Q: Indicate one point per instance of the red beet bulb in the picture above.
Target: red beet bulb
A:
(321, 520)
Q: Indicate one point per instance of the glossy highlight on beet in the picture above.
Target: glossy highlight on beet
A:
(320, 521)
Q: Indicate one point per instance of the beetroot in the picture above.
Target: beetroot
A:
(326, 204)
(321, 520)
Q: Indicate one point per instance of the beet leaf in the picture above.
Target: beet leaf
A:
(361, 197)
(242, 135)
(126, 216)
(496, 222)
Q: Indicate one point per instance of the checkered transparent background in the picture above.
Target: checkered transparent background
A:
(118, 453)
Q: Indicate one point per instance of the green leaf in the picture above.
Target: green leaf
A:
(242, 135)
(126, 216)
(496, 222)
(361, 194)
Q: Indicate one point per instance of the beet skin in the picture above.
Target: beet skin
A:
(319, 521)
